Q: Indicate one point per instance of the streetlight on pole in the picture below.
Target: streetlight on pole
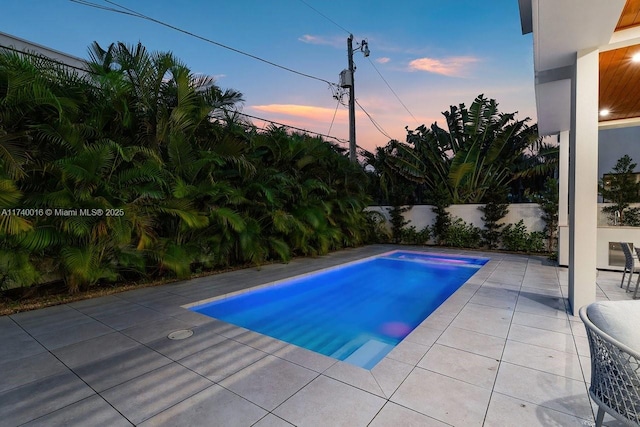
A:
(347, 79)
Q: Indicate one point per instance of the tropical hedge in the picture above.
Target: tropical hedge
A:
(139, 168)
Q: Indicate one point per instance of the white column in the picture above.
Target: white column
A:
(563, 199)
(563, 179)
(583, 185)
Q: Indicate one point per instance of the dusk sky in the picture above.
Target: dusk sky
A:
(433, 53)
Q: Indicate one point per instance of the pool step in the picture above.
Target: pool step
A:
(370, 353)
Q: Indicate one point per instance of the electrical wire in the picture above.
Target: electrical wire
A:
(334, 115)
(344, 141)
(325, 16)
(375, 124)
(374, 66)
(391, 89)
(130, 12)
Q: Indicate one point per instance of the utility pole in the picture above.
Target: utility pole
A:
(352, 103)
(347, 79)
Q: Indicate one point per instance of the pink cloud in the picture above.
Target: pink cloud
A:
(454, 66)
(383, 60)
(308, 112)
(319, 40)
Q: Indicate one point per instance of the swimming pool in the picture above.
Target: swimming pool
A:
(357, 312)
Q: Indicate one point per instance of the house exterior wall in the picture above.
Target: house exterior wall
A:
(21, 45)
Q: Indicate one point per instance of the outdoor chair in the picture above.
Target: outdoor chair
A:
(629, 264)
(635, 293)
(614, 344)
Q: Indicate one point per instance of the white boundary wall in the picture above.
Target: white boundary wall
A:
(421, 216)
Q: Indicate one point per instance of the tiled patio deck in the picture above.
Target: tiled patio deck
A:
(501, 351)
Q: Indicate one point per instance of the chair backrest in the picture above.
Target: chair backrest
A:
(615, 373)
(628, 256)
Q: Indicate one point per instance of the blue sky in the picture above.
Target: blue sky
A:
(433, 53)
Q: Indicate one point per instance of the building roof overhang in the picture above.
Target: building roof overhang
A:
(560, 30)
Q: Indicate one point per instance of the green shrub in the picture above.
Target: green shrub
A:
(495, 208)
(462, 235)
(411, 236)
(632, 217)
(440, 202)
(548, 200)
(377, 230)
(398, 223)
(516, 238)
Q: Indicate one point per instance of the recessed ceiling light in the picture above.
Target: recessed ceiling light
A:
(636, 57)
(604, 112)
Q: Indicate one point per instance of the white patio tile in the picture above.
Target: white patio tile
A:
(506, 411)
(582, 343)
(393, 414)
(261, 342)
(28, 369)
(282, 379)
(474, 342)
(37, 398)
(194, 318)
(462, 365)
(355, 376)
(118, 368)
(328, 402)
(306, 358)
(151, 331)
(543, 359)
(543, 322)
(154, 392)
(18, 345)
(578, 329)
(552, 292)
(408, 352)
(212, 406)
(483, 319)
(446, 399)
(585, 363)
(543, 338)
(545, 305)
(389, 374)
(203, 336)
(541, 388)
(423, 335)
(272, 421)
(219, 361)
(89, 351)
(440, 320)
(92, 411)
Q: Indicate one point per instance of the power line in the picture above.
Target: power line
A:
(291, 127)
(325, 16)
(375, 124)
(391, 89)
(334, 115)
(130, 12)
(375, 68)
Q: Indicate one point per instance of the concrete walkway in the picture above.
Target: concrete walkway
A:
(501, 351)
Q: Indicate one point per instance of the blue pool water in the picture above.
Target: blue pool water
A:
(357, 312)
